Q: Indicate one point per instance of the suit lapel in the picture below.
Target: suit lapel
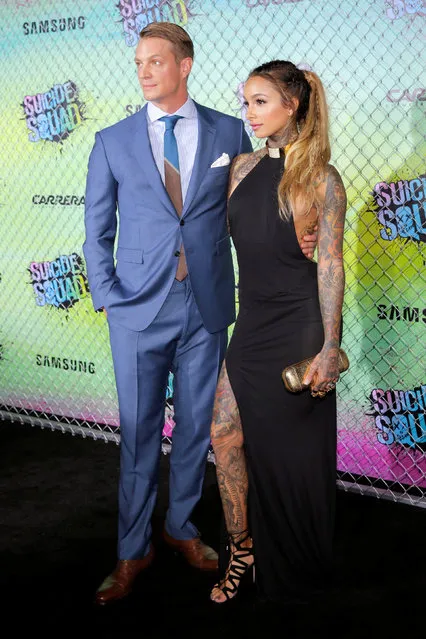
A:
(206, 133)
(143, 153)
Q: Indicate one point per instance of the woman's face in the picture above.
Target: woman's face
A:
(265, 110)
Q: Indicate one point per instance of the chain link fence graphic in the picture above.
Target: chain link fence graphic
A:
(68, 71)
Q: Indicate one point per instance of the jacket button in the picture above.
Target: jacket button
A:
(177, 253)
(182, 222)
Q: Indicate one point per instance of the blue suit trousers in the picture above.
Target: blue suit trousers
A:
(175, 341)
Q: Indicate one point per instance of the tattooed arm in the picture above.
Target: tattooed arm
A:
(240, 167)
(331, 279)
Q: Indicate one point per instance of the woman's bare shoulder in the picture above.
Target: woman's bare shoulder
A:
(332, 175)
(242, 165)
(330, 184)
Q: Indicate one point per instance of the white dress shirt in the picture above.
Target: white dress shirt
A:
(186, 132)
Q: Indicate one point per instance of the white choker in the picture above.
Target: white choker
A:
(274, 151)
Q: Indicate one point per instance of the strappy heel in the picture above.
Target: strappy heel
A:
(238, 567)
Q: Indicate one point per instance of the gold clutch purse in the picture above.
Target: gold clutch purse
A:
(294, 374)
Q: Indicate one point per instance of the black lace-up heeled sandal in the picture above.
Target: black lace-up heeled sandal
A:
(238, 568)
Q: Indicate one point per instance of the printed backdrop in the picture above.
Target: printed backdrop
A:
(68, 71)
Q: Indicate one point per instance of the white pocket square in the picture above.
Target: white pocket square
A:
(222, 161)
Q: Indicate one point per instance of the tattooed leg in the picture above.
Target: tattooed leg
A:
(227, 441)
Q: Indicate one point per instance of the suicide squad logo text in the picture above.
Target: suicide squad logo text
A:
(54, 114)
(400, 416)
(137, 14)
(60, 283)
(400, 209)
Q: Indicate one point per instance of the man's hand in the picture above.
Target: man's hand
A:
(309, 243)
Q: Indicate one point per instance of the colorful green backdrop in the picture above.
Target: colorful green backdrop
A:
(68, 71)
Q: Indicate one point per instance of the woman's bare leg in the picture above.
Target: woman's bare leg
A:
(228, 446)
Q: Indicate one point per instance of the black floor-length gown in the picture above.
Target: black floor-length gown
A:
(290, 439)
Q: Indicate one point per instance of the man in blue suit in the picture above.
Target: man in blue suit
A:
(162, 271)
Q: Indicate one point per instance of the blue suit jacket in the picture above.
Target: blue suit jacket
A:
(133, 230)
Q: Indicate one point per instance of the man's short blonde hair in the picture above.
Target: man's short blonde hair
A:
(178, 37)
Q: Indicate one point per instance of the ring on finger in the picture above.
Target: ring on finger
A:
(318, 393)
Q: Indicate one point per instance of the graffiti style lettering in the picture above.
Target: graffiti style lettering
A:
(400, 416)
(266, 3)
(400, 208)
(137, 14)
(396, 9)
(60, 283)
(53, 115)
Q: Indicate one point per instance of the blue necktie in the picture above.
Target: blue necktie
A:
(171, 162)
(172, 181)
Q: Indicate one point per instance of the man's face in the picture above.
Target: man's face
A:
(162, 78)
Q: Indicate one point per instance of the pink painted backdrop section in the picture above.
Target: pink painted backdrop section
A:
(359, 453)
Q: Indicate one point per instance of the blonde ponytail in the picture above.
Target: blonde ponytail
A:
(308, 156)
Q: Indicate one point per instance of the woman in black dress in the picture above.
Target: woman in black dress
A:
(275, 451)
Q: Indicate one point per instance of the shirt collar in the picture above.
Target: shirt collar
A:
(187, 110)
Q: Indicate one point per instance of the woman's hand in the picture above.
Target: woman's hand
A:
(323, 373)
(309, 243)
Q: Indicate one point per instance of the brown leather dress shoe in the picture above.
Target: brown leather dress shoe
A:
(119, 583)
(197, 554)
